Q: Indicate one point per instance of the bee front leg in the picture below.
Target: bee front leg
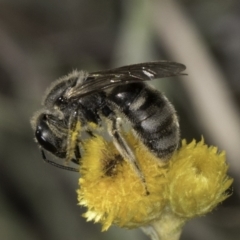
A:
(77, 153)
(72, 152)
(124, 149)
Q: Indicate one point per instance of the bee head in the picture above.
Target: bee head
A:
(47, 134)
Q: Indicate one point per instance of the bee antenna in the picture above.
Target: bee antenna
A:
(58, 165)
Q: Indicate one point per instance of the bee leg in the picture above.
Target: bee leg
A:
(73, 142)
(124, 149)
(76, 160)
(58, 165)
(72, 151)
(90, 133)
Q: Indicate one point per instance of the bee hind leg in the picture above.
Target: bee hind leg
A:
(124, 149)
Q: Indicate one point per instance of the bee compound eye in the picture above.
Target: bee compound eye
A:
(43, 136)
(47, 139)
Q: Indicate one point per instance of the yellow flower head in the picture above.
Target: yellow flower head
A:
(197, 179)
(113, 192)
(191, 183)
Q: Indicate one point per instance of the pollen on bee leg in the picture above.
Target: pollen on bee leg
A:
(72, 141)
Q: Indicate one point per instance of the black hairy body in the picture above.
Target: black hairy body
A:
(82, 102)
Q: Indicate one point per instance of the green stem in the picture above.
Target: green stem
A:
(168, 227)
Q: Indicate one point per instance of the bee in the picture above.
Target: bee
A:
(82, 102)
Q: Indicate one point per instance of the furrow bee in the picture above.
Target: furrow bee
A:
(81, 102)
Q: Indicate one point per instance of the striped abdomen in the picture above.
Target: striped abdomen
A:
(151, 115)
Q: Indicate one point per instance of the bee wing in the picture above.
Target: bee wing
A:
(97, 81)
(149, 70)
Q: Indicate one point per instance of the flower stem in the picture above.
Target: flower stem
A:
(168, 227)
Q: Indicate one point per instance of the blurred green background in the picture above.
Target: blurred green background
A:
(42, 40)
